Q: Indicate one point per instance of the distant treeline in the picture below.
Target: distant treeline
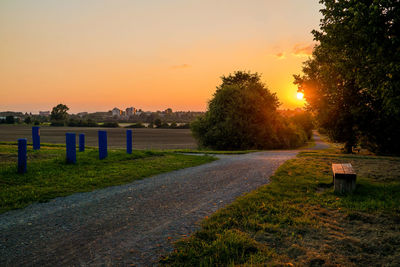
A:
(162, 125)
(60, 117)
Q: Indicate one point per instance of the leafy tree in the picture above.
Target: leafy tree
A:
(59, 115)
(304, 120)
(28, 120)
(243, 115)
(352, 81)
(157, 123)
(10, 119)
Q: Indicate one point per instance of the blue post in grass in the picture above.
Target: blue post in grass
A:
(129, 141)
(102, 144)
(36, 137)
(81, 142)
(70, 139)
(22, 155)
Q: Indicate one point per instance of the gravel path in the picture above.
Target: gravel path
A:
(319, 144)
(134, 223)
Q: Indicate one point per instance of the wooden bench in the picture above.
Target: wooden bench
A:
(344, 178)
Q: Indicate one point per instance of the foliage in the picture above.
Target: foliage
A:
(183, 126)
(305, 121)
(59, 115)
(136, 125)
(243, 115)
(10, 120)
(158, 123)
(28, 120)
(49, 176)
(164, 125)
(352, 81)
(298, 219)
(111, 124)
(81, 123)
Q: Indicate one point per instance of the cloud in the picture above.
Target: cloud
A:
(182, 66)
(280, 55)
(302, 50)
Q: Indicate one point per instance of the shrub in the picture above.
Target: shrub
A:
(110, 125)
(57, 123)
(305, 121)
(10, 119)
(136, 125)
(81, 123)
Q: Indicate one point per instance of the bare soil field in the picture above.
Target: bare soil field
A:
(143, 138)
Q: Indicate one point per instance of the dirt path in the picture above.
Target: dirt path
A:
(319, 144)
(133, 223)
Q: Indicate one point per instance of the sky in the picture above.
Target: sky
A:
(95, 55)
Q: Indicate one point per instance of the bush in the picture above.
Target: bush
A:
(81, 123)
(110, 125)
(136, 125)
(157, 123)
(305, 121)
(243, 115)
(57, 123)
(183, 126)
(10, 119)
(28, 120)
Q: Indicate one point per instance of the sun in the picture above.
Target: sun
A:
(300, 96)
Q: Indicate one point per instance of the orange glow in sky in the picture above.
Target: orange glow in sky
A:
(96, 55)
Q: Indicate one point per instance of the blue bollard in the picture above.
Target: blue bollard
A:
(81, 142)
(70, 139)
(102, 144)
(129, 141)
(22, 155)
(36, 137)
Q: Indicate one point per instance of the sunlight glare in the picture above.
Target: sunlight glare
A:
(300, 96)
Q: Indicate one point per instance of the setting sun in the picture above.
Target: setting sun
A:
(300, 96)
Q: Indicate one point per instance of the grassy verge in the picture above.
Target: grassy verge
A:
(297, 220)
(49, 176)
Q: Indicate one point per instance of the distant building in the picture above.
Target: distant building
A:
(44, 113)
(116, 112)
(130, 111)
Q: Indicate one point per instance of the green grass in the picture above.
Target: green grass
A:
(49, 175)
(298, 220)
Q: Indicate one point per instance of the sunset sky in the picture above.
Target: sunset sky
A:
(94, 55)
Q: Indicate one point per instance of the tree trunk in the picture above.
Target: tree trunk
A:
(348, 147)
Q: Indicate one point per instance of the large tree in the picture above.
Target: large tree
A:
(59, 115)
(352, 80)
(243, 115)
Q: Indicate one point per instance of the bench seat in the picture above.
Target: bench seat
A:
(344, 178)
